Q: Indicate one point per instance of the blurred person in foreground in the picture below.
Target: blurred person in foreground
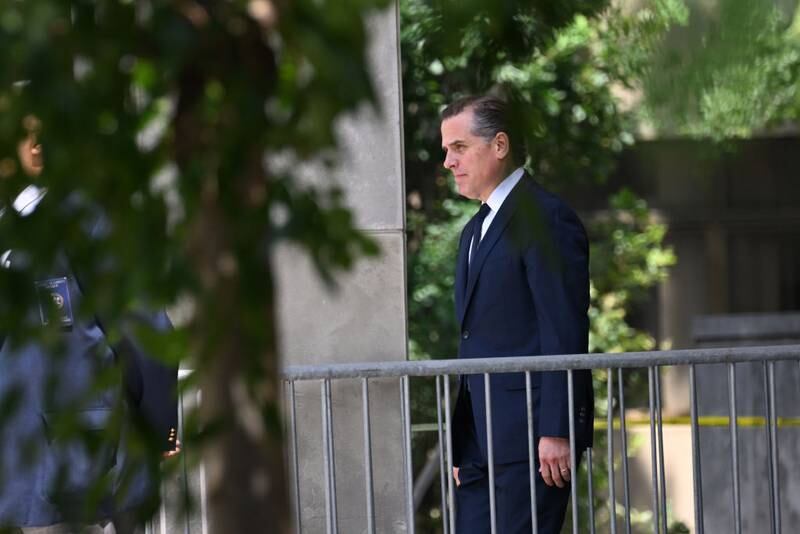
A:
(51, 479)
(521, 289)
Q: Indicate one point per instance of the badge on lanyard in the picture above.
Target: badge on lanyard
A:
(54, 301)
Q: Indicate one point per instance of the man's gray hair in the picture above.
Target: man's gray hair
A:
(491, 115)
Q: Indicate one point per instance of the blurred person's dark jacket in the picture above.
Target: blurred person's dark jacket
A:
(46, 476)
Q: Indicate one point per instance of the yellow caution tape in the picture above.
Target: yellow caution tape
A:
(705, 421)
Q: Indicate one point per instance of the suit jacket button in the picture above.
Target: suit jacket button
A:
(465, 335)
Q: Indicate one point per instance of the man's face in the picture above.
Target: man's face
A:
(477, 164)
(30, 155)
(29, 149)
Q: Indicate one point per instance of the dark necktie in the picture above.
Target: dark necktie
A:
(476, 229)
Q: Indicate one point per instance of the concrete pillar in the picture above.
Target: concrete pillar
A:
(362, 319)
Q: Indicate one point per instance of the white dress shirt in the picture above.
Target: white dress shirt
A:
(496, 199)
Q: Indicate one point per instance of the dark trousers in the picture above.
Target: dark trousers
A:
(512, 495)
(127, 523)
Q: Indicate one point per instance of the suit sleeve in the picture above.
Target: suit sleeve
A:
(557, 268)
(151, 385)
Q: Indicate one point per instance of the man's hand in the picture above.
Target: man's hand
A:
(175, 442)
(455, 476)
(554, 461)
(173, 452)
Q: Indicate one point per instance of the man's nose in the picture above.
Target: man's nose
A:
(449, 161)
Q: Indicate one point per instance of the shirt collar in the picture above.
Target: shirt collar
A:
(503, 189)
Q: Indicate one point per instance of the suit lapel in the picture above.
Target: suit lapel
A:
(461, 267)
(488, 242)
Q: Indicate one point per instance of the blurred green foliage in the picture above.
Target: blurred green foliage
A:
(561, 80)
(185, 123)
(732, 69)
(627, 258)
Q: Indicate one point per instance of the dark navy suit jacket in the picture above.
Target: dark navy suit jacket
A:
(525, 293)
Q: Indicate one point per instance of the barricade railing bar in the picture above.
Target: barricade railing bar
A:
(615, 421)
(541, 363)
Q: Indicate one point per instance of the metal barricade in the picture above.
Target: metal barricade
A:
(608, 364)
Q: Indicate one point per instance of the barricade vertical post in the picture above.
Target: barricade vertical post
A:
(773, 428)
(612, 497)
(531, 451)
(295, 459)
(589, 469)
(662, 472)
(626, 485)
(368, 457)
(572, 453)
(653, 455)
(442, 474)
(451, 493)
(185, 468)
(768, 435)
(487, 388)
(697, 476)
(405, 411)
(332, 457)
(328, 459)
(737, 512)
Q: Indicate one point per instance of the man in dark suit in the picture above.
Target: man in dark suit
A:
(522, 288)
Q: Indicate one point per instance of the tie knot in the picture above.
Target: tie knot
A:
(483, 211)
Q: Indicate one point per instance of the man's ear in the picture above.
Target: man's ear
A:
(502, 145)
